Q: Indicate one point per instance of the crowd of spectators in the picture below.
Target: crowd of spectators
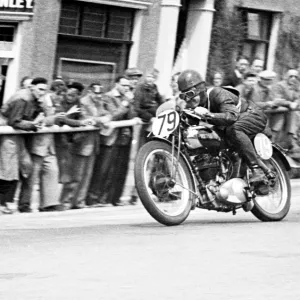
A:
(72, 169)
(87, 168)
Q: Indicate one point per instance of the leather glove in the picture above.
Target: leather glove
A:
(201, 111)
(293, 105)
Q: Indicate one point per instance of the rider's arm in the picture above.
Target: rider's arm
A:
(228, 115)
(224, 111)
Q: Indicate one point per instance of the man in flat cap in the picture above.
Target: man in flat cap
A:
(133, 75)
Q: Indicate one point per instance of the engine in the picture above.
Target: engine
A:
(223, 193)
(207, 166)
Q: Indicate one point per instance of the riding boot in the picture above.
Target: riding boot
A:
(258, 174)
(268, 172)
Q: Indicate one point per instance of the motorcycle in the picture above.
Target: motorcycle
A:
(188, 164)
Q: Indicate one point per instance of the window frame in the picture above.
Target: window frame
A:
(108, 11)
(255, 41)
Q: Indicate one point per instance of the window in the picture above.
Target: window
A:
(90, 71)
(95, 20)
(257, 35)
(7, 33)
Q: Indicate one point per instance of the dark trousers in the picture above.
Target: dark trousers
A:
(99, 181)
(109, 174)
(240, 133)
(118, 173)
(7, 191)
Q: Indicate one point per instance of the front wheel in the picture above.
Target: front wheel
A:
(276, 205)
(164, 184)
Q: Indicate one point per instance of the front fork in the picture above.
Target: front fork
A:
(200, 192)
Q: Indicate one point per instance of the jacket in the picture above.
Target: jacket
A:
(121, 108)
(223, 106)
(285, 94)
(20, 112)
(86, 143)
(146, 101)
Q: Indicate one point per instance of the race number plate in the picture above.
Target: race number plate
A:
(263, 146)
(165, 123)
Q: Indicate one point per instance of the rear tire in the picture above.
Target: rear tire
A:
(145, 188)
(284, 184)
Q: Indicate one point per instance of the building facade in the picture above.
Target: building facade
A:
(96, 40)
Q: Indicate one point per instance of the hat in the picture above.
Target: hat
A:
(249, 74)
(133, 72)
(292, 72)
(267, 74)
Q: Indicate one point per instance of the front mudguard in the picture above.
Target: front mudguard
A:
(287, 161)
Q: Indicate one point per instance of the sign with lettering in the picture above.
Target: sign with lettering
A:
(25, 6)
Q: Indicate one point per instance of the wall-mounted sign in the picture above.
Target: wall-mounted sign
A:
(16, 6)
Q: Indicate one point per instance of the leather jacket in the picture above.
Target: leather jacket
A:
(223, 106)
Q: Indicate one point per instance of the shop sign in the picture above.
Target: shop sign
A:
(16, 6)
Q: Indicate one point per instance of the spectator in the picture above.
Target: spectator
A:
(23, 93)
(122, 146)
(111, 165)
(264, 89)
(10, 163)
(174, 97)
(64, 100)
(133, 75)
(57, 91)
(257, 65)
(80, 149)
(146, 101)
(217, 79)
(260, 91)
(236, 77)
(25, 82)
(30, 115)
(246, 88)
(287, 94)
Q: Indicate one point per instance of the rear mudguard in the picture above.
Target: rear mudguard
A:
(189, 166)
(286, 160)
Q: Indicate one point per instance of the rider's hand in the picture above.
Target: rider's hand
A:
(201, 111)
(293, 105)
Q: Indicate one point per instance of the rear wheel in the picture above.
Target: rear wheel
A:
(276, 205)
(164, 184)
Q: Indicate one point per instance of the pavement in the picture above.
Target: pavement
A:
(122, 253)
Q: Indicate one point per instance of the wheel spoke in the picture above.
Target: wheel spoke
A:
(277, 197)
(169, 193)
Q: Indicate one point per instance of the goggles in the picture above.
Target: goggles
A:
(187, 95)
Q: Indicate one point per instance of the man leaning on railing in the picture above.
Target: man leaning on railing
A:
(28, 112)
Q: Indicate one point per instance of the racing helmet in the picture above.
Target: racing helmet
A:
(188, 79)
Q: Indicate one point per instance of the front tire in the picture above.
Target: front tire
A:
(164, 184)
(276, 205)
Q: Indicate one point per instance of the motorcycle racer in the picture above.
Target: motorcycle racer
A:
(221, 106)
